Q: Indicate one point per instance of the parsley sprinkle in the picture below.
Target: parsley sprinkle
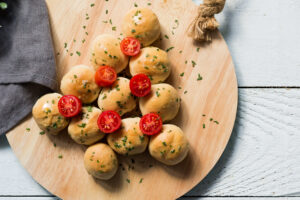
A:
(180, 51)
(106, 12)
(89, 108)
(110, 21)
(128, 180)
(105, 22)
(27, 129)
(167, 37)
(198, 49)
(157, 93)
(216, 122)
(65, 45)
(114, 28)
(54, 144)
(84, 27)
(185, 62)
(142, 138)
(141, 180)
(164, 143)
(169, 49)
(173, 151)
(60, 156)
(71, 54)
(81, 125)
(75, 76)
(211, 119)
(182, 74)
(203, 126)
(92, 5)
(194, 63)
(133, 31)
(149, 4)
(78, 53)
(185, 92)
(199, 77)
(42, 132)
(135, 5)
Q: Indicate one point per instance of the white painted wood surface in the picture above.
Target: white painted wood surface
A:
(263, 156)
(261, 159)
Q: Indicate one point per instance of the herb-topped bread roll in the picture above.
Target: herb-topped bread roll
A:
(163, 100)
(170, 146)
(143, 24)
(153, 62)
(83, 128)
(100, 161)
(105, 50)
(45, 113)
(80, 82)
(129, 140)
(117, 98)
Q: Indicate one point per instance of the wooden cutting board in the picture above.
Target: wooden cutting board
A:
(74, 24)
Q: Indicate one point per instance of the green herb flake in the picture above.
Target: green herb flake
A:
(89, 108)
(42, 133)
(194, 63)
(203, 126)
(135, 5)
(92, 5)
(78, 53)
(199, 77)
(75, 76)
(198, 49)
(54, 144)
(142, 138)
(106, 12)
(128, 180)
(60, 156)
(157, 93)
(141, 180)
(133, 31)
(81, 125)
(172, 151)
(182, 74)
(110, 21)
(169, 49)
(65, 45)
(149, 4)
(164, 143)
(216, 122)
(211, 119)
(167, 37)
(105, 22)
(84, 27)
(180, 51)
(114, 28)
(27, 129)
(185, 92)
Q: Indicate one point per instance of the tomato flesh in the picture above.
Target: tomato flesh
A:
(130, 46)
(140, 85)
(109, 121)
(69, 106)
(151, 124)
(105, 76)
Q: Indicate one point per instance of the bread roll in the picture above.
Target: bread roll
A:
(80, 82)
(100, 161)
(105, 50)
(163, 100)
(142, 24)
(45, 113)
(129, 140)
(117, 98)
(153, 62)
(170, 146)
(83, 128)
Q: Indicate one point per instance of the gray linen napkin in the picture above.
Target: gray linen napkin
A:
(27, 64)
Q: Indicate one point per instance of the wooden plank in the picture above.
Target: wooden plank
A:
(262, 157)
(264, 41)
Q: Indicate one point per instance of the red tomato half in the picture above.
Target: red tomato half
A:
(109, 121)
(151, 124)
(130, 46)
(105, 76)
(140, 85)
(69, 106)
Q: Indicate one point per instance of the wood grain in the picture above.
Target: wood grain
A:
(215, 96)
(253, 164)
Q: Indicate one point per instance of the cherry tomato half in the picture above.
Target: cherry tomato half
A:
(130, 46)
(105, 76)
(151, 124)
(69, 105)
(140, 85)
(109, 121)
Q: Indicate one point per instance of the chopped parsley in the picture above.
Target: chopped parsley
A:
(198, 49)
(185, 92)
(157, 93)
(114, 28)
(182, 74)
(106, 12)
(169, 49)
(164, 143)
(141, 180)
(199, 77)
(84, 27)
(135, 5)
(149, 4)
(78, 53)
(117, 145)
(133, 31)
(167, 37)
(60, 156)
(92, 5)
(142, 138)
(194, 63)
(203, 126)
(42, 133)
(65, 45)
(89, 108)
(27, 129)
(128, 180)
(81, 125)
(75, 76)
(216, 122)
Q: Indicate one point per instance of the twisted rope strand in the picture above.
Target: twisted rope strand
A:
(205, 23)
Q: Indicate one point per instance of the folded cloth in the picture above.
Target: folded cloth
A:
(27, 63)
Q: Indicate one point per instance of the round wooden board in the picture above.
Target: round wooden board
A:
(215, 97)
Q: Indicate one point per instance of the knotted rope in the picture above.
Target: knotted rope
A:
(205, 23)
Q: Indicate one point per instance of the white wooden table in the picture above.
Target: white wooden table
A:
(262, 159)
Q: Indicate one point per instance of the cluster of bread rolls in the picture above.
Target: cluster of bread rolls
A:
(170, 146)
